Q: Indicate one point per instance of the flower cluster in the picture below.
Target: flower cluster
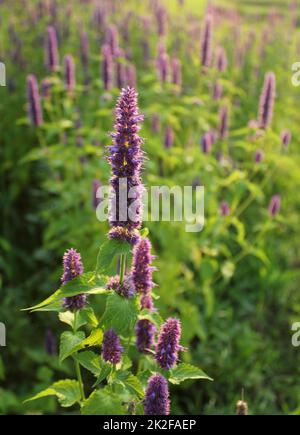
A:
(167, 347)
(111, 347)
(157, 396)
(73, 267)
(126, 160)
(124, 288)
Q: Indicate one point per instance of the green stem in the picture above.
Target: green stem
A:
(79, 377)
(77, 366)
(122, 266)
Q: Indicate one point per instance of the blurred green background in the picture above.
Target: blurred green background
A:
(235, 285)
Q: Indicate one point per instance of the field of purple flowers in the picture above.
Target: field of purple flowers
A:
(137, 316)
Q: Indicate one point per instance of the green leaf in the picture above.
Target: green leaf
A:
(186, 371)
(67, 317)
(88, 283)
(120, 313)
(73, 342)
(90, 361)
(104, 373)
(69, 342)
(108, 251)
(67, 392)
(130, 382)
(103, 402)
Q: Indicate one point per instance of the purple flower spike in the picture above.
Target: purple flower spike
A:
(84, 50)
(131, 76)
(145, 334)
(73, 267)
(166, 352)
(223, 125)
(51, 49)
(34, 102)
(285, 138)
(224, 208)
(217, 91)
(206, 142)
(125, 289)
(162, 64)
(259, 155)
(157, 400)
(206, 42)
(274, 205)
(161, 19)
(266, 101)
(120, 69)
(147, 302)
(155, 123)
(169, 137)
(112, 38)
(126, 157)
(176, 72)
(221, 60)
(142, 267)
(69, 68)
(107, 67)
(45, 87)
(111, 347)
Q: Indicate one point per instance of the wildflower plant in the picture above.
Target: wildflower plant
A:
(134, 355)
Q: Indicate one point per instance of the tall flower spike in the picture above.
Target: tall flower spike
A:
(69, 70)
(221, 61)
(285, 138)
(266, 101)
(224, 208)
(206, 142)
(157, 400)
(206, 42)
(142, 269)
(73, 267)
(120, 69)
(51, 49)
(166, 352)
(111, 347)
(84, 50)
(176, 72)
(125, 289)
(274, 205)
(34, 102)
(112, 38)
(126, 157)
(145, 334)
(131, 75)
(162, 64)
(107, 67)
(169, 137)
(223, 122)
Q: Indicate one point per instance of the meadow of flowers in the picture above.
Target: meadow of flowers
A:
(135, 316)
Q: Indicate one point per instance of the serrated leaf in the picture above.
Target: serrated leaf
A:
(120, 314)
(130, 382)
(103, 402)
(73, 342)
(108, 250)
(104, 373)
(67, 392)
(90, 361)
(88, 283)
(186, 371)
(68, 342)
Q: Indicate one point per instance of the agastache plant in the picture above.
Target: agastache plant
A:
(206, 53)
(51, 49)
(126, 345)
(34, 103)
(266, 101)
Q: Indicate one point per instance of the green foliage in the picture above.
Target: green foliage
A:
(234, 285)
